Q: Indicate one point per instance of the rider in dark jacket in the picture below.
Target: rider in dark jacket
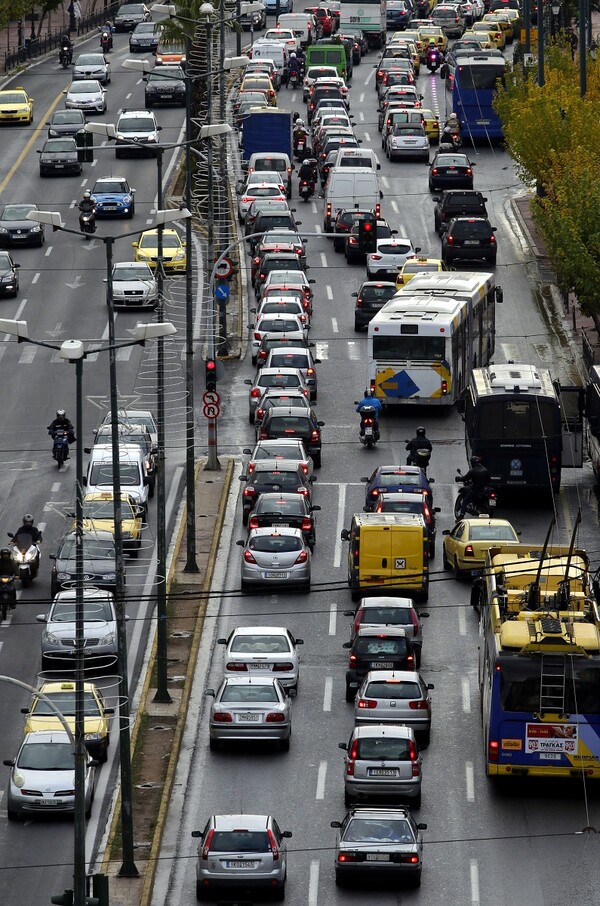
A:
(62, 422)
(419, 442)
(28, 528)
(478, 478)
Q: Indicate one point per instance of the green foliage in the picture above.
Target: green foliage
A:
(179, 29)
(13, 10)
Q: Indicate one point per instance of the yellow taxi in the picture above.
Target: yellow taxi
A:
(260, 83)
(466, 545)
(414, 36)
(98, 515)
(433, 34)
(174, 256)
(495, 33)
(483, 38)
(418, 266)
(432, 125)
(16, 106)
(400, 38)
(62, 694)
(500, 19)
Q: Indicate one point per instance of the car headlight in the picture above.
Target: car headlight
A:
(152, 138)
(7, 279)
(36, 229)
(50, 637)
(52, 132)
(93, 737)
(63, 576)
(24, 110)
(110, 577)
(109, 639)
(3, 230)
(179, 255)
(126, 200)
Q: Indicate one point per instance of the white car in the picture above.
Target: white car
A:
(272, 377)
(407, 140)
(316, 72)
(42, 777)
(290, 325)
(391, 254)
(92, 66)
(259, 190)
(133, 285)
(282, 36)
(265, 651)
(87, 95)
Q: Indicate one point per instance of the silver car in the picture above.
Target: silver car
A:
(263, 651)
(241, 853)
(276, 556)
(381, 610)
(378, 843)
(133, 285)
(92, 66)
(250, 708)
(99, 630)
(87, 95)
(276, 450)
(136, 417)
(407, 141)
(297, 357)
(42, 777)
(395, 697)
(273, 377)
(382, 760)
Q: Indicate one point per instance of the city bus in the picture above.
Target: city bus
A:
(424, 343)
(512, 417)
(473, 90)
(370, 17)
(539, 663)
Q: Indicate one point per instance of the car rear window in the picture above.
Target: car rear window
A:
(398, 689)
(278, 164)
(491, 533)
(399, 616)
(275, 544)
(471, 228)
(289, 360)
(396, 647)
(451, 160)
(239, 841)
(277, 325)
(397, 248)
(391, 479)
(374, 830)
(290, 423)
(378, 293)
(235, 693)
(260, 644)
(291, 507)
(279, 380)
(404, 507)
(384, 749)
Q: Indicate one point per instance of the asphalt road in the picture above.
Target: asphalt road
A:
(62, 296)
(483, 848)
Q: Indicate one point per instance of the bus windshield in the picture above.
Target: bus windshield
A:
(405, 348)
(479, 78)
(517, 420)
(520, 684)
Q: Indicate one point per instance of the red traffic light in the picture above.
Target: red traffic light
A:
(210, 372)
(368, 226)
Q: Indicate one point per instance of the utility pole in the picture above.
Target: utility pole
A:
(582, 48)
(540, 44)
(223, 196)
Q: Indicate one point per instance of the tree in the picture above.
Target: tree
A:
(13, 10)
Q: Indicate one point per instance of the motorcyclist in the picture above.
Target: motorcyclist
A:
(300, 130)
(433, 54)
(8, 566)
(66, 46)
(86, 206)
(28, 528)
(452, 125)
(309, 171)
(419, 442)
(372, 401)
(61, 422)
(294, 68)
(477, 479)
(107, 30)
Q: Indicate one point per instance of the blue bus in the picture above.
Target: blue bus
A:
(474, 82)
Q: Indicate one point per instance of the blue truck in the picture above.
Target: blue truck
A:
(268, 130)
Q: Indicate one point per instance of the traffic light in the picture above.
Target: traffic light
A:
(367, 235)
(100, 890)
(211, 374)
(85, 147)
(63, 899)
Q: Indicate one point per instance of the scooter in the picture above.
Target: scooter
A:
(434, 62)
(60, 447)
(306, 189)
(419, 458)
(294, 79)
(87, 223)
(106, 41)
(369, 427)
(65, 56)
(26, 556)
(487, 502)
(301, 149)
(8, 595)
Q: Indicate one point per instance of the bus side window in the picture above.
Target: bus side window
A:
(592, 409)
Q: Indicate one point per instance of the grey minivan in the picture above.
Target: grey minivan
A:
(395, 697)
(382, 761)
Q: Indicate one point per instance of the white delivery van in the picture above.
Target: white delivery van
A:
(271, 50)
(356, 157)
(350, 187)
(133, 472)
(302, 24)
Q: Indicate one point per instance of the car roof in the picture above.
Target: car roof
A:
(284, 411)
(383, 601)
(265, 630)
(65, 686)
(368, 811)
(401, 676)
(265, 465)
(38, 737)
(250, 680)
(379, 633)
(374, 731)
(274, 530)
(234, 822)
(402, 470)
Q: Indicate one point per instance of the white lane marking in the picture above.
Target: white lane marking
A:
(313, 207)
(510, 351)
(328, 693)
(127, 96)
(123, 355)
(317, 228)
(466, 696)
(313, 883)
(386, 182)
(329, 292)
(83, 182)
(72, 205)
(49, 250)
(361, 117)
(394, 205)
(150, 220)
(322, 351)
(94, 162)
(321, 780)
(18, 313)
(337, 550)
(367, 137)
(474, 872)
(334, 325)
(332, 618)
(370, 76)
(361, 96)
(35, 277)
(323, 259)
(55, 487)
(139, 82)
(28, 355)
(462, 620)
(353, 351)
(470, 781)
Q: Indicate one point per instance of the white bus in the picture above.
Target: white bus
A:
(370, 17)
(426, 340)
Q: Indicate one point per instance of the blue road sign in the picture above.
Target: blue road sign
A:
(222, 292)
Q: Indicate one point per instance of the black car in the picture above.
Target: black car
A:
(65, 122)
(294, 423)
(15, 229)
(356, 46)
(99, 564)
(371, 297)
(351, 250)
(343, 223)
(450, 170)
(9, 278)
(144, 37)
(275, 261)
(257, 20)
(377, 648)
(270, 206)
(457, 203)
(320, 94)
(469, 239)
(267, 478)
(129, 15)
(397, 14)
(285, 510)
(267, 221)
(275, 341)
(165, 85)
(59, 156)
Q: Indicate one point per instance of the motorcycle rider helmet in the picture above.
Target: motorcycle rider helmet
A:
(60, 413)
(368, 393)
(452, 120)
(87, 194)
(299, 121)
(292, 56)
(475, 461)
(28, 520)
(421, 431)
(311, 162)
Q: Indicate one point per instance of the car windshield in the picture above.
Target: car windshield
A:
(372, 646)
(366, 830)
(58, 145)
(13, 97)
(5, 262)
(93, 549)
(268, 163)
(65, 702)
(67, 118)
(407, 130)
(260, 644)
(47, 756)
(285, 308)
(280, 451)
(114, 187)
(277, 325)
(417, 268)
(290, 424)
(130, 9)
(277, 477)
(275, 220)
(165, 74)
(394, 689)
(275, 544)
(279, 380)
(132, 273)
(150, 241)
(102, 473)
(234, 693)
(240, 841)
(397, 248)
(395, 616)
(146, 28)
(84, 87)
(98, 610)
(491, 533)
(136, 124)
(17, 211)
(90, 59)
(282, 402)
(264, 191)
(469, 228)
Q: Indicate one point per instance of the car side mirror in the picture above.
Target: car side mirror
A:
(345, 534)
(381, 195)
(42, 618)
(436, 198)
(24, 710)
(333, 823)
(287, 835)
(343, 745)
(437, 509)
(9, 762)
(364, 478)
(431, 480)
(109, 711)
(422, 826)
(347, 645)
(248, 381)
(221, 641)
(430, 686)
(243, 478)
(51, 556)
(355, 295)
(299, 641)
(134, 245)
(424, 615)
(209, 692)
(316, 508)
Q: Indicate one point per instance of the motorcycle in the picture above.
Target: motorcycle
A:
(306, 189)
(8, 595)
(60, 447)
(369, 427)
(301, 148)
(26, 555)
(487, 502)
(106, 41)
(450, 141)
(294, 79)
(65, 56)
(419, 458)
(87, 223)
(434, 62)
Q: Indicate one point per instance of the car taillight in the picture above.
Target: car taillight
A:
(257, 336)
(435, 171)
(493, 750)
(207, 842)
(273, 846)
(284, 667)
(365, 703)
(469, 171)
(303, 492)
(352, 756)
(314, 435)
(259, 414)
(469, 552)
(255, 392)
(492, 239)
(450, 240)
(348, 857)
(409, 860)
(306, 524)
(256, 261)
(377, 211)
(275, 717)
(245, 199)
(420, 705)
(380, 73)
(353, 241)
(352, 660)
(375, 257)
(237, 666)
(253, 523)
(223, 717)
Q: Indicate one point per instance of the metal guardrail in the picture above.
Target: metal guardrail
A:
(32, 49)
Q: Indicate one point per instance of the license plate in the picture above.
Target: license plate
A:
(260, 666)
(378, 857)
(492, 501)
(49, 802)
(382, 665)
(368, 432)
(550, 756)
(252, 716)
(382, 772)
(275, 575)
(283, 524)
(59, 166)
(110, 207)
(471, 241)
(241, 863)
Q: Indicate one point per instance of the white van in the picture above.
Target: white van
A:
(302, 24)
(271, 50)
(356, 157)
(134, 476)
(350, 187)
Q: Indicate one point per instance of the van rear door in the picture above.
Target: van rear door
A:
(375, 558)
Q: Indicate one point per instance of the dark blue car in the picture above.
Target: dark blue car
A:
(398, 14)
(113, 197)
(388, 479)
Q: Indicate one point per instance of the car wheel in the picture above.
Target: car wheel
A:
(492, 261)
(416, 802)
(317, 460)
(251, 417)
(355, 594)
(279, 894)
(244, 517)
(213, 745)
(416, 881)
(457, 571)
(117, 153)
(445, 562)
(338, 246)
(357, 327)
(132, 212)
(350, 694)
(431, 187)
(425, 738)
(284, 745)
(201, 893)
(339, 881)
(348, 799)
(12, 815)
(431, 550)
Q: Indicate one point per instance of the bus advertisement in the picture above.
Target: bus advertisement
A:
(424, 343)
(370, 17)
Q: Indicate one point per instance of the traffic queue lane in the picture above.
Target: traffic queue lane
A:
(62, 296)
(483, 846)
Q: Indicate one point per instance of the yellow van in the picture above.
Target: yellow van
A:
(388, 553)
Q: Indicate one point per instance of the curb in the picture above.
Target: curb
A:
(514, 203)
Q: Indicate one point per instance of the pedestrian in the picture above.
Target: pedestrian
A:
(77, 14)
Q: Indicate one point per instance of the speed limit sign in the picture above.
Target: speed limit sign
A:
(211, 410)
(224, 268)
